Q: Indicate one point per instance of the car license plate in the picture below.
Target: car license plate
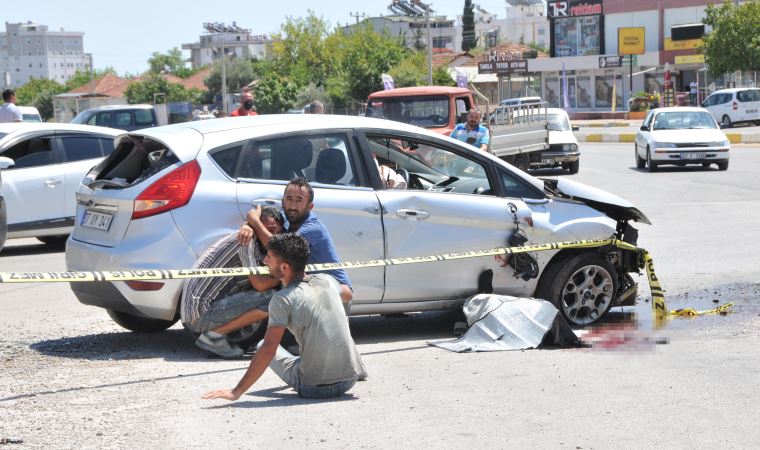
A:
(99, 221)
(693, 155)
(751, 111)
(547, 161)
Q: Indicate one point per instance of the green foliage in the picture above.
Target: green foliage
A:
(734, 42)
(410, 71)
(419, 40)
(143, 91)
(239, 73)
(39, 92)
(169, 62)
(469, 41)
(310, 93)
(441, 77)
(275, 94)
(300, 50)
(81, 77)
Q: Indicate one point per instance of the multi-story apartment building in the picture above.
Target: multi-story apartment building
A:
(237, 42)
(29, 50)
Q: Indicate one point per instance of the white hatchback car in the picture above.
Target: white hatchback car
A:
(42, 166)
(167, 193)
(680, 136)
(737, 105)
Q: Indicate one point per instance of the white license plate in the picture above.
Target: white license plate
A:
(547, 161)
(692, 155)
(751, 111)
(99, 221)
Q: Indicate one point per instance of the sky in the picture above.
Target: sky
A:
(124, 33)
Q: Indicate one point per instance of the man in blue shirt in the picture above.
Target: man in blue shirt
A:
(297, 203)
(472, 131)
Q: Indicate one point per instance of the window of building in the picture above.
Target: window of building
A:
(603, 85)
(577, 36)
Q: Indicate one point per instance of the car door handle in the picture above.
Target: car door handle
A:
(51, 183)
(414, 213)
(265, 202)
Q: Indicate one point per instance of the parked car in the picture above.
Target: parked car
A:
(42, 166)
(563, 146)
(520, 101)
(121, 117)
(731, 106)
(681, 136)
(30, 114)
(167, 193)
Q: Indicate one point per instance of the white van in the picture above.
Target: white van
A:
(30, 114)
(730, 106)
(518, 101)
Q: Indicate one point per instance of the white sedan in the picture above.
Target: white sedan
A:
(681, 136)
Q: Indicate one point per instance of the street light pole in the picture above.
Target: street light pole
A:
(224, 79)
(429, 45)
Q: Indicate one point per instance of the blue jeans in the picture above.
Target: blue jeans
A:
(287, 367)
(224, 310)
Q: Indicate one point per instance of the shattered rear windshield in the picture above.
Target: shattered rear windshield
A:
(134, 160)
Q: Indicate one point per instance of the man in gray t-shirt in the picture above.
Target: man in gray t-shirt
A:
(309, 307)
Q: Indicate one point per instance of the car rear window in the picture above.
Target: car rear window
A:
(750, 95)
(134, 160)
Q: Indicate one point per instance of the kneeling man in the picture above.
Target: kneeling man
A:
(309, 306)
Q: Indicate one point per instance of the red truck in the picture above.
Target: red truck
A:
(515, 131)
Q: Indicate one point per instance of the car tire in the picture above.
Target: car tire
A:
(522, 162)
(574, 166)
(651, 165)
(640, 162)
(726, 121)
(705, 165)
(723, 165)
(582, 286)
(140, 324)
(53, 240)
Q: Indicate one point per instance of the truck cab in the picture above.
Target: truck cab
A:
(438, 108)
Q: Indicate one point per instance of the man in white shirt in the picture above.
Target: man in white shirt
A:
(8, 111)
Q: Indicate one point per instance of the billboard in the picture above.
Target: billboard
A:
(631, 41)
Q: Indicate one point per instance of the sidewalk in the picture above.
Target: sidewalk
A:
(604, 130)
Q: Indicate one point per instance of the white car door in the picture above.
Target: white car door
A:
(34, 186)
(350, 212)
(449, 205)
(80, 153)
(643, 136)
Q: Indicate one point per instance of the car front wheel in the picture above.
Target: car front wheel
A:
(140, 324)
(640, 162)
(582, 287)
(723, 165)
(725, 121)
(574, 166)
(651, 165)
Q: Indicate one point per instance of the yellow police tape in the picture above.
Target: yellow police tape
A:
(659, 309)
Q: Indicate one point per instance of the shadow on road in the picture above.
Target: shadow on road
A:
(32, 249)
(686, 169)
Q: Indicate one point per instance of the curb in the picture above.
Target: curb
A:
(734, 138)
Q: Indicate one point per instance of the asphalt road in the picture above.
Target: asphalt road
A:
(70, 378)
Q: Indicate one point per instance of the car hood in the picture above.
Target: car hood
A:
(615, 207)
(562, 137)
(683, 136)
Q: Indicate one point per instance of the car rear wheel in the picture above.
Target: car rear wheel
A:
(725, 121)
(53, 240)
(651, 165)
(574, 166)
(582, 287)
(140, 324)
(522, 162)
(723, 165)
(640, 162)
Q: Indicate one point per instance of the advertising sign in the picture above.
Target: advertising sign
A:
(573, 8)
(631, 41)
(669, 44)
(610, 61)
(503, 67)
(689, 59)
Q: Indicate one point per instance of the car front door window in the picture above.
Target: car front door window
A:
(31, 153)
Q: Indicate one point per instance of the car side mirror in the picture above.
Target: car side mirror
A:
(644, 128)
(575, 127)
(6, 162)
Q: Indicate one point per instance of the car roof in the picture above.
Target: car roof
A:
(556, 111)
(680, 109)
(28, 109)
(111, 107)
(420, 90)
(732, 90)
(32, 127)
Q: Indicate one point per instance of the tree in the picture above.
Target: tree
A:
(300, 50)
(410, 71)
(169, 62)
(275, 94)
(419, 43)
(143, 91)
(469, 41)
(442, 77)
(734, 42)
(239, 72)
(39, 92)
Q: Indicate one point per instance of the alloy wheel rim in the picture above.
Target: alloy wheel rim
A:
(587, 294)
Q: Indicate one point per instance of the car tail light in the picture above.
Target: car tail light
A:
(170, 192)
(736, 106)
(138, 285)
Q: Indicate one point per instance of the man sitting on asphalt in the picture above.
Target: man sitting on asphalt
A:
(297, 202)
(472, 132)
(310, 307)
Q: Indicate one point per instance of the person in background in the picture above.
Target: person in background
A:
(246, 106)
(316, 107)
(8, 111)
(472, 132)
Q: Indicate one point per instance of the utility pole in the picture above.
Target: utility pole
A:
(429, 45)
(224, 79)
(356, 16)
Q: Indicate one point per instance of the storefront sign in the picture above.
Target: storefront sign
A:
(503, 67)
(610, 61)
(689, 59)
(573, 8)
(669, 44)
(631, 41)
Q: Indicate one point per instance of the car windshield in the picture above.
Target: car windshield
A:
(32, 118)
(558, 122)
(683, 120)
(82, 117)
(423, 111)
